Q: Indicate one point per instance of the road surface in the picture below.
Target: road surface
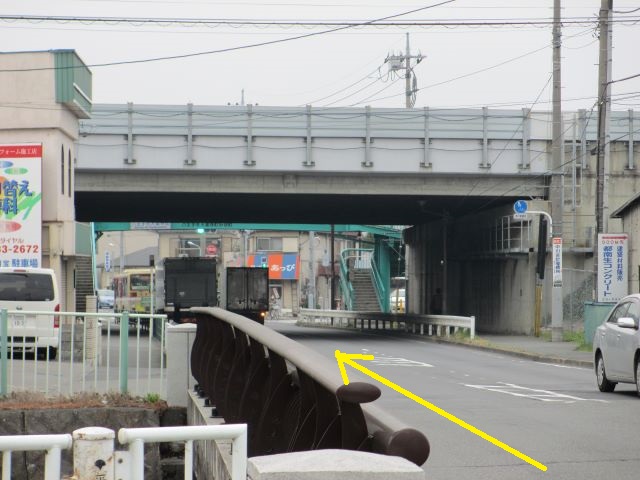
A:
(552, 413)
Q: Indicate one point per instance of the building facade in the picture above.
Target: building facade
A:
(43, 94)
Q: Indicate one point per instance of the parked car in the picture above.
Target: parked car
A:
(106, 304)
(616, 346)
(106, 300)
(31, 290)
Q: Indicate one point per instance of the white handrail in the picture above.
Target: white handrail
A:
(136, 438)
(53, 444)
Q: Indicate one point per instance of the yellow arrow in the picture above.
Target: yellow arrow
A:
(347, 358)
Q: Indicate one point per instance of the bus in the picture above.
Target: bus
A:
(133, 290)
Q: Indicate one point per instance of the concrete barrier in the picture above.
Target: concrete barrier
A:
(332, 465)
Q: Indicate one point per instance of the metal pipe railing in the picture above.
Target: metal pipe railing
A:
(137, 437)
(53, 444)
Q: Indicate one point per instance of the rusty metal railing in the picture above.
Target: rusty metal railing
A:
(291, 398)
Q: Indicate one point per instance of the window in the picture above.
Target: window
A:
(70, 170)
(62, 169)
(35, 287)
(619, 312)
(190, 247)
(268, 244)
(634, 312)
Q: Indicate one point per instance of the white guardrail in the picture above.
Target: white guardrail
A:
(53, 444)
(96, 352)
(438, 325)
(94, 456)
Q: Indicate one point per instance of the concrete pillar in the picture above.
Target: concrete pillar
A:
(179, 379)
(332, 465)
(93, 454)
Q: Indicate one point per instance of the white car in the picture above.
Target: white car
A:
(616, 346)
(106, 300)
(31, 290)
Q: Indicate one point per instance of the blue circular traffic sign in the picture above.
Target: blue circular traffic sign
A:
(520, 206)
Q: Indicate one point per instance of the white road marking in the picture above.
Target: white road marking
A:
(564, 366)
(533, 393)
(384, 360)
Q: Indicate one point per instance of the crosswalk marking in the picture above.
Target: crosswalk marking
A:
(533, 393)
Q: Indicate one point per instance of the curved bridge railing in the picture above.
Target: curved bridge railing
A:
(291, 397)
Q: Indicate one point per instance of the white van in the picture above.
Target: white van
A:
(31, 290)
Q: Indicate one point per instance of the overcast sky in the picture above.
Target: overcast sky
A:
(497, 66)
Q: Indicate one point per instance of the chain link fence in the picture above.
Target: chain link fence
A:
(579, 285)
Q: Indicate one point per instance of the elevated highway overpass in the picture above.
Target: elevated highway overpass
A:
(338, 165)
(451, 174)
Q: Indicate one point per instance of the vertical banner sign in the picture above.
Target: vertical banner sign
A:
(557, 261)
(612, 266)
(107, 261)
(21, 205)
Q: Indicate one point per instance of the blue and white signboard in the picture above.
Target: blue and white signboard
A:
(107, 261)
(520, 206)
(556, 260)
(613, 261)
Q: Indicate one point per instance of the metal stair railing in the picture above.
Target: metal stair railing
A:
(381, 292)
(364, 258)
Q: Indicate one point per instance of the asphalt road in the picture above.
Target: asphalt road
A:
(551, 413)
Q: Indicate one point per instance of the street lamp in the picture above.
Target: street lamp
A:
(122, 252)
(195, 245)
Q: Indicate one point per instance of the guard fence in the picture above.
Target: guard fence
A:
(96, 352)
(436, 325)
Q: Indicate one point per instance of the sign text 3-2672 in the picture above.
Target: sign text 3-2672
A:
(19, 248)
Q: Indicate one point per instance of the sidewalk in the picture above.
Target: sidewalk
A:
(533, 348)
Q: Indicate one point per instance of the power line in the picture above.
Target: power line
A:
(188, 21)
(376, 80)
(545, 173)
(475, 72)
(241, 47)
(367, 76)
(511, 139)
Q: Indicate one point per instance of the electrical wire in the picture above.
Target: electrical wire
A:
(367, 76)
(475, 72)
(231, 49)
(543, 174)
(189, 22)
(510, 140)
(375, 80)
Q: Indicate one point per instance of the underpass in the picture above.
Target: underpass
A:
(550, 412)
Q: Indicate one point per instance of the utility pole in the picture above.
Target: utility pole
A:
(602, 162)
(333, 269)
(407, 76)
(311, 295)
(557, 177)
(122, 252)
(403, 61)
